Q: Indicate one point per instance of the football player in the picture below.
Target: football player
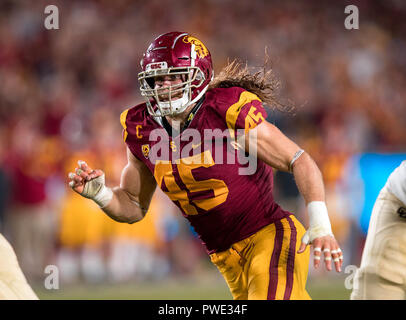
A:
(13, 284)
(260, 249)
(382, 274)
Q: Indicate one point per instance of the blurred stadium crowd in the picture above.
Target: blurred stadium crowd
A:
(62, 92)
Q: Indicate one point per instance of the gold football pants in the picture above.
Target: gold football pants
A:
(266, 265)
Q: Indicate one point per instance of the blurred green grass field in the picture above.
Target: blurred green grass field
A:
(175, 289)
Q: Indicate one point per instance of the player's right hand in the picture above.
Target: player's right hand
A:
(85, 181)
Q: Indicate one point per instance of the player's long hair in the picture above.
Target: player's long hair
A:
(263, 83)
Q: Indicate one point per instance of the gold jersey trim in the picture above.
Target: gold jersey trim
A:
(123, 118)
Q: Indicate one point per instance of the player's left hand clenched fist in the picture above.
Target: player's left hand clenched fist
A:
(321, 237)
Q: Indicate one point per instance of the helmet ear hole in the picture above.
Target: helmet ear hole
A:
(199, 75)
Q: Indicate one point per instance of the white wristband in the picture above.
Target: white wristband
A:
(103, 197)
(319, 222)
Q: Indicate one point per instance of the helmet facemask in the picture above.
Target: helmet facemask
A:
(166, 105)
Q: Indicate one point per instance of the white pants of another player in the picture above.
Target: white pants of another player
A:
(13, 284)
(382, 274)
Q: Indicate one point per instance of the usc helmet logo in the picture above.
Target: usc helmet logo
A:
(200, 48)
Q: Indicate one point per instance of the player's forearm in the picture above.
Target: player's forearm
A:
(123, 208)
(308, 179)
(310, 184)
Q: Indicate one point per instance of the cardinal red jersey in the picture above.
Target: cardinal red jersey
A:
(223, 200)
